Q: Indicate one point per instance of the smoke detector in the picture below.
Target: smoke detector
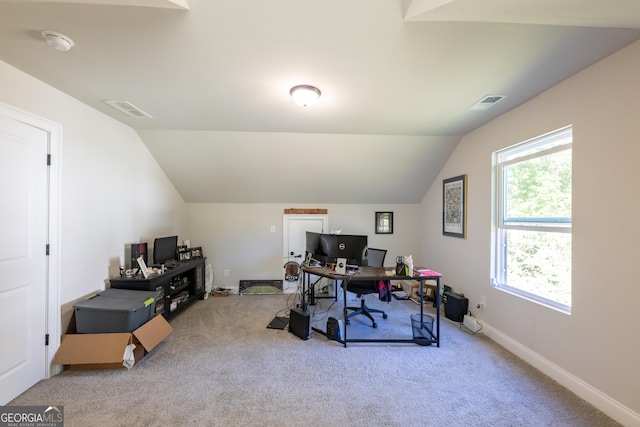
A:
(58, 40)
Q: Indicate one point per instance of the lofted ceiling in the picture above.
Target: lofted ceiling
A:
(397, 80)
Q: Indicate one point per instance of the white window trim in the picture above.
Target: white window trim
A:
(558, 225)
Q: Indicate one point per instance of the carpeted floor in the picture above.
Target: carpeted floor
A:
(222, 366)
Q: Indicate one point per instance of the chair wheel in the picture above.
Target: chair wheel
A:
(375, 325)
(384, 316)
(348, 322)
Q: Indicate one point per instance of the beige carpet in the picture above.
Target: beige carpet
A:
(223, 367)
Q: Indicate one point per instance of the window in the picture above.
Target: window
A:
(532, 233)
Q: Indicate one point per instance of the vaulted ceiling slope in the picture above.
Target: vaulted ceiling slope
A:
(397, 80)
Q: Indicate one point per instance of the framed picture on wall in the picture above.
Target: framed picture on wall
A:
(454, 206)
(384, 222)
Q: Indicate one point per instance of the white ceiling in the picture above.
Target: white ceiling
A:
(397, 78)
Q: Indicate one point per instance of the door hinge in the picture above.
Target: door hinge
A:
(48, 159)
(46, 339)
(47, 249)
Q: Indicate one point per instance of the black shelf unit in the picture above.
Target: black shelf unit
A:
(179, 287)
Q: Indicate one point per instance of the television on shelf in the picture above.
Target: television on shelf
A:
(349, 246)
(164, 249)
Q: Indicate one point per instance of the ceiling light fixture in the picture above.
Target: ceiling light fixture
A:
(58, 40)
(305, 95)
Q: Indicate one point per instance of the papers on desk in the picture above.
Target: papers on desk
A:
(425, 272)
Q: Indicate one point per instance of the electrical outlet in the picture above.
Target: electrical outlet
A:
(483, 303)
(226, 273)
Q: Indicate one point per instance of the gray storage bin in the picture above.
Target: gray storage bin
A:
(129, 294)
(114, 311)
(137, 295)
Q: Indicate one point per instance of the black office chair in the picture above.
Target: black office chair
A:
(375, 258)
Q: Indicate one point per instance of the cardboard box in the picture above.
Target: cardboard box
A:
(412, 287)
(429, 292)
(106, 351)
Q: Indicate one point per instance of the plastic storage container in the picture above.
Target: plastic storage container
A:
(136, 295)
(129, 294)
(114, 310)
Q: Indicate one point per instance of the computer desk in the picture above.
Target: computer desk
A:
(374, 273)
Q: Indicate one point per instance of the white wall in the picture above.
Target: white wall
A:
(597, 347)
(112, 190)
(238, 237)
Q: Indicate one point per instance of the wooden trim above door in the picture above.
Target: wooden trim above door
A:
(292, 211)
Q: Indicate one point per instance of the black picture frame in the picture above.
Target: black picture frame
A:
(384, 222)
(454, 206)
(196, 253)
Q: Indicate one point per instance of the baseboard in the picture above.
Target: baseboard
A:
(603, 402)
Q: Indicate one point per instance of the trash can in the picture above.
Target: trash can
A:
(422, 327)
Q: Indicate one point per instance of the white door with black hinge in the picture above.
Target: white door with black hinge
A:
(294, 242)
(23, 259)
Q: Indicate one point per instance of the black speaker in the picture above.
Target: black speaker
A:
(455, 306)
(334, 329)
(132, 252)
(300, 323)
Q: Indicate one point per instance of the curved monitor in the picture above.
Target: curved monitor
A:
(312, 242)
(349, 246)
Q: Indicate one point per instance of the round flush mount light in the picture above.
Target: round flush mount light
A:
(305, 95)
(58, 40)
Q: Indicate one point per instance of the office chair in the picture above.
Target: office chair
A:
(375, 258)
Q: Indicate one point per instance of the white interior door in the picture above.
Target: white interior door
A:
(23, 260)
(294, 240)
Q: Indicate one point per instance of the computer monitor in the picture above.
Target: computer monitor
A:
(312, 245)
(349, 246)
(313, 241)
(164, 249)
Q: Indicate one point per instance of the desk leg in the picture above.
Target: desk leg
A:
(438, 311)
(304, 289)
(436, 337)
(312, 292)
(344, 310)
(421, 299)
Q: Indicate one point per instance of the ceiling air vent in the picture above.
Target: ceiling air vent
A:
(486, 102)
(129, 109)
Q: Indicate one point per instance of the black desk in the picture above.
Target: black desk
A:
(373, 273)
(186, 280)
